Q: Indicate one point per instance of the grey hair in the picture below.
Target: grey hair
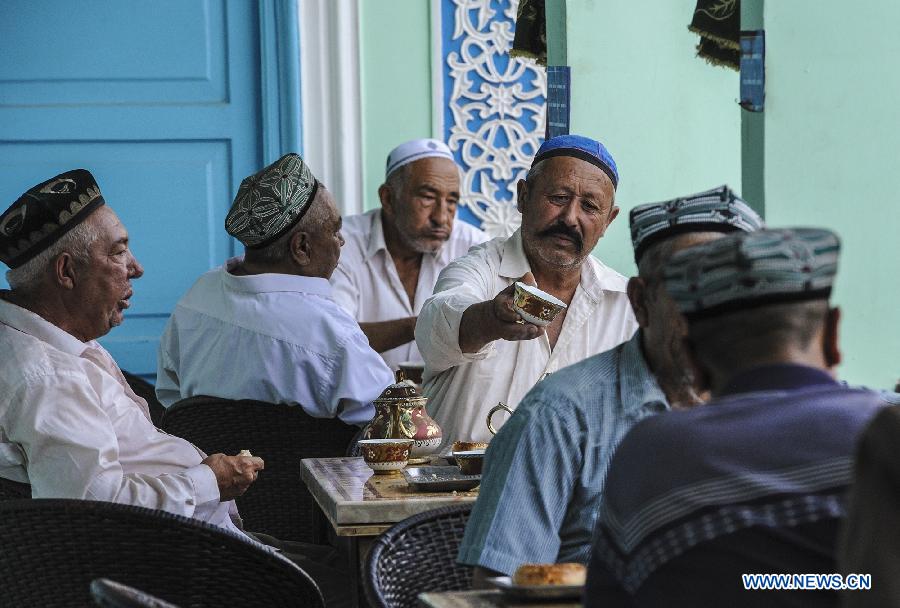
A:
(396, 181)
(76, 242)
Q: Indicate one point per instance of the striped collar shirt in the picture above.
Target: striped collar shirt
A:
(545, 470)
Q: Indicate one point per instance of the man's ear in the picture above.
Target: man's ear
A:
(613, 214)
(64, 271)
(830, 341)
(300, 248)
(637, 295)
(521, 194)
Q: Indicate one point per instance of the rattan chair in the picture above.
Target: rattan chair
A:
(14, 490)
(278, 502)
(53, 549)
(144, 389)
(417, 555)
(110, 594)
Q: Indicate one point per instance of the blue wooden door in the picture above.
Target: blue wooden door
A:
(161, 102)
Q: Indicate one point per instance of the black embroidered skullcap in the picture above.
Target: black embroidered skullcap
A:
(716, 210)
(750, 269)
(46, 212)
(271, 202)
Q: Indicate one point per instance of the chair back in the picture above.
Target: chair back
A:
(144, 389)
(417, 555)
(278, 502)
(54, 548)
(110, 594)
(14, 490)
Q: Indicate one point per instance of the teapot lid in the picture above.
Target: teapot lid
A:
(401, 391)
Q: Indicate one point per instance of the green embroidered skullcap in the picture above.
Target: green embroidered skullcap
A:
(750, 269)
(271, 202)
(716, 210)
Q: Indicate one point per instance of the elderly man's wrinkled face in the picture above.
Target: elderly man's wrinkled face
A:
(566, 205)
(424, 208)
(103, 287)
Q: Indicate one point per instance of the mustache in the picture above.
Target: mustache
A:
(563, 230)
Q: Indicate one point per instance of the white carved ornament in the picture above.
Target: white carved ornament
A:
(497, 108)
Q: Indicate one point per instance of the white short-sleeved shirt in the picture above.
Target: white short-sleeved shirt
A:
(366, 282)
(270, 337)
(462, 387)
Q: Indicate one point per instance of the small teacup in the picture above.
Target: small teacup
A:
(534, 305)
(466, 446)
(385, 455)
(470, 462)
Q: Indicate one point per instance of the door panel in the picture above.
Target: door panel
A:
(161, 102)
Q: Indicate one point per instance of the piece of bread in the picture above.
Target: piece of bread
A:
(549, 574)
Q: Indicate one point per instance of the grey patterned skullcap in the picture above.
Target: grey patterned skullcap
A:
(271, 202)
(716, 210)
(747, 270)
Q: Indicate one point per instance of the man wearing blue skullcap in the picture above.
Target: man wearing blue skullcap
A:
(755, 481)
(477, 350)
(571, 422)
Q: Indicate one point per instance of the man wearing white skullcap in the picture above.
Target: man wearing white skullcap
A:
(393, 254)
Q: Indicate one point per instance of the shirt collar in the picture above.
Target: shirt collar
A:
(34, 325)
(639, 385)
(777, 377)
(595, 275)
(273, 282)
(376, 236)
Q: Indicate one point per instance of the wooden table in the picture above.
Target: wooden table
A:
(484, 599)
(360, 505)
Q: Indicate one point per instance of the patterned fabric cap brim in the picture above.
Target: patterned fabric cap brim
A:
(271, 202)
(750, 269)
(45, 213)
(582, 148)
(716, 210)
(417, 149)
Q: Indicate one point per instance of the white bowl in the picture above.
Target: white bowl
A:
(550, 303)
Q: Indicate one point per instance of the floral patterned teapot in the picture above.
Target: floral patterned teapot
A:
(400, 414)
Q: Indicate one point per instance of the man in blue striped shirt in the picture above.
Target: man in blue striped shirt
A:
(545, 470)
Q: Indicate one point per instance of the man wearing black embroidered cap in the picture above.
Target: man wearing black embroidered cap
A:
(69, 423)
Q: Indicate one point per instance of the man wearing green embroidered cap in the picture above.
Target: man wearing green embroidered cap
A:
(265, 326)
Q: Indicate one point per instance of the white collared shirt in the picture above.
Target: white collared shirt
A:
(366, 282)
(72, 427)
(271, 337)
(462, 387)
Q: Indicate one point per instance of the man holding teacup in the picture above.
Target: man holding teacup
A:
(476, 347)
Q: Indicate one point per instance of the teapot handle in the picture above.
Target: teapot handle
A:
(494, 410)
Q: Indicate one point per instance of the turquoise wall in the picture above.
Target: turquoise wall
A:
(669, 119)
(831, 129)
(395, 82)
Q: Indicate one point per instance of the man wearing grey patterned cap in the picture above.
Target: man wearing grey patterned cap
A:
(754, 481)
(265, 326)
(593, 404)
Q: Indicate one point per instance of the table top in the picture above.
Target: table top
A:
(483, 599)
(358, 502)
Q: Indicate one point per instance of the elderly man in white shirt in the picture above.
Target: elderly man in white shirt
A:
(265, 326)
(394, 254)
(477, 349)
(69, 423)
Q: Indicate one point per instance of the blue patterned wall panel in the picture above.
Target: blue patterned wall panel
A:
(493, 108)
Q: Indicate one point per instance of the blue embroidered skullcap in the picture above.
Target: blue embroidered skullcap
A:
(580, 147)
(45, 213)
(271, 202)
(716, 210)
(750, 269)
